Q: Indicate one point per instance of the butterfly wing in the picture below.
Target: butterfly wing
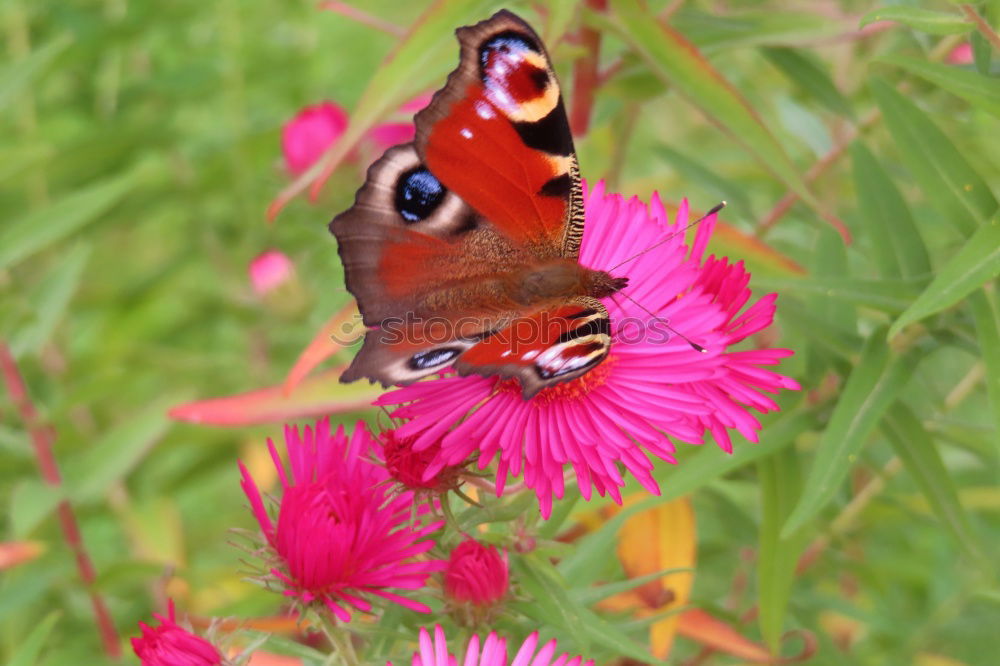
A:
(497, 134)
(489, 184)
(547, 347)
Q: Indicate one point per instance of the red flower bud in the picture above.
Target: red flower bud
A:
(408, 467)
(171, 645)
(475, 581)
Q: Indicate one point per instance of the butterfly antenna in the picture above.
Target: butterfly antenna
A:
(714, 210)
(694, 345)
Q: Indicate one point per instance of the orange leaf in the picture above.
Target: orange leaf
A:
(260, 658)
(13, 553)
(713, 633)
(660, 538)
(341, 329)
(315, 396)
(699, 626)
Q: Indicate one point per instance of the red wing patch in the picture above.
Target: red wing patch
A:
(497, 136)
(544, 348)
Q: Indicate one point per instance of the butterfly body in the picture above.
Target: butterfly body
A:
(461, 248)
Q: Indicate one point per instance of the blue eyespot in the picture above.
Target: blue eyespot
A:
(418, 194)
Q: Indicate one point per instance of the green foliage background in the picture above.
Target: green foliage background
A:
(141, 148)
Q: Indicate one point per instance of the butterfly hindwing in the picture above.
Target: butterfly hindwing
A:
(544, 348)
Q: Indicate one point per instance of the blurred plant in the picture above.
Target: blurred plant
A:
(859, 162)
(269, 270)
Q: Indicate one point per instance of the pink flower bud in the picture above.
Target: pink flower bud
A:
(409, 467)
(270, 270)
(961, 54)
(476, 575)
(171, 645)
(306, 136)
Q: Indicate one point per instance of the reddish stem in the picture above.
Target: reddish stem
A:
(41, 438)
(585, 77)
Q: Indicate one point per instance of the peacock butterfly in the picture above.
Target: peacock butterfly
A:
(461, 247)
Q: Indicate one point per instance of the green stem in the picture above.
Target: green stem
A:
(341, 640)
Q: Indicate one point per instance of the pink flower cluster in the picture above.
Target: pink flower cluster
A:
(491, 652)
(342, 534)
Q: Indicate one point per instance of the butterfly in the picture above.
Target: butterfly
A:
(461, 247)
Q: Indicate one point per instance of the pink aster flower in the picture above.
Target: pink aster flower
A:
(341, 532)
(475, 582)
(270, 270)
(434, 652)
(652, 389)
(171, 645)
(306, 136)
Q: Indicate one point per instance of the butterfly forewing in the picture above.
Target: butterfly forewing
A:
(497, 133)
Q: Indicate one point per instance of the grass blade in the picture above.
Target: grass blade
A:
(947, 179)
(780, 485)
(915, 448)
(806, 73)
(977, 262)
(678, 63)
(986, 313)
(899, 248)
(923, 20)
(980, 91)
(40, 228)
(875, 381)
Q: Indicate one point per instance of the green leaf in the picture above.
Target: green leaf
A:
(875, 381)
(553, 605)
(887, 295)
(986, 313)
(780, 485)
(915, 448)
(117, 452)
(31, 502)
(977, 262)
(591, 595)
(18, 76)
(832, 334)
(946, 178)
(980, 91)
(923, 20)
(693, 170)
(982, 53)
(678, 63)
(715, 31)
(899, 249)
(804, 71)
(31, 647)
(705, 466)
(51, 300)
(42, 227)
